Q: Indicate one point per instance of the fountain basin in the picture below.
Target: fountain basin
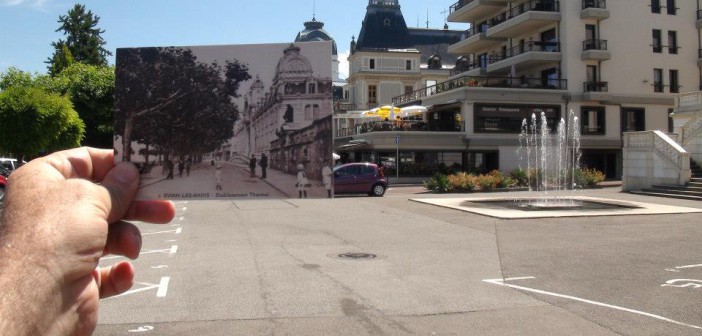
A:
(581, 206)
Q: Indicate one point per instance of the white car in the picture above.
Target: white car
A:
(11, 164)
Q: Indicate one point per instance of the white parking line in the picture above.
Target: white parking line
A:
(502, 282)
(176, 231)
(688, 266)
(170, 251)
(163, 287)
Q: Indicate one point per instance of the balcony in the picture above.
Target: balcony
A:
(595, 50)
(473, 40)
(594, 9)
(524, 57)
(594, 86)
(699, 19)
(471, 10)
(481, 82)
(470, 68)
(526, 17)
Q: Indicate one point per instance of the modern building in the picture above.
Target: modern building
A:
(617, 65)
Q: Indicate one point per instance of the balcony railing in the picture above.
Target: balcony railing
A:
(470, 32)
(465, 67)
(533, 5)
(525, 48)
(595, 44)
(483, 81)
(402, 126)
(593, 86)
(458, 5)
(594, 4)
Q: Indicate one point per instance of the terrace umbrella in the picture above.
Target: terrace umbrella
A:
(384, 111)
(411, 111)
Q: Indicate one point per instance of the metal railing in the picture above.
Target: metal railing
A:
(595, 44)
(533, 5)
(482, 81)
(594, 86)
(458, 5)
(524, 48)
(461, 68)
(602, 4)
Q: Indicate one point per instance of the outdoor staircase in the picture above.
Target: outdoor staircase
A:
(691, 191)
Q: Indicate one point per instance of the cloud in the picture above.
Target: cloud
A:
(28, 3)
(344, 64)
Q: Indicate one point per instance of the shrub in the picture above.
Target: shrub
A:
(590, 177)
(520, 177)
(438, 183)
(487, 182)
(463, 182)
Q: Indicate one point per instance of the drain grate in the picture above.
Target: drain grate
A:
(357, 255)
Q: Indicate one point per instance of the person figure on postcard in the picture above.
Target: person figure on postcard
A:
(252, 165)
(326, 177)
(302, 182)
(218, 177)
(169, 167)
(181, 167)
(263, 162)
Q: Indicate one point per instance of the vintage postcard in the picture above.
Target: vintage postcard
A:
(227, 122)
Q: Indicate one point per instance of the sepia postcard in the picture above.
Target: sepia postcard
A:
(226, 122)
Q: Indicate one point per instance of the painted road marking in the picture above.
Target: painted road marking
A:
(141, 329)
(503, 282)
(176, 231)
(163, 287)
(694, 283)
(161, 291)
(171, 251)
(159, 266)
(678, 268)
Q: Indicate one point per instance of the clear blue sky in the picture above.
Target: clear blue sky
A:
(27, 27)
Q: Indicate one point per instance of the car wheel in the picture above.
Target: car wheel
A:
(377, 190)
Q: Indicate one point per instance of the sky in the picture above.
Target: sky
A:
(27, 27)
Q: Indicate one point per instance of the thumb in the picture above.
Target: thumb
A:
(122, 183)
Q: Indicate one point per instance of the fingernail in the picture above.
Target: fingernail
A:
(125, 173)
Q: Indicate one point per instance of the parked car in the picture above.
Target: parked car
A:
(4, 173)
(360, 178)
(10, 164)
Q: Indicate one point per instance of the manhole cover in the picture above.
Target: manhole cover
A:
(357, 255)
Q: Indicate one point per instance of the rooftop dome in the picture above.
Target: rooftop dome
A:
(314, 32)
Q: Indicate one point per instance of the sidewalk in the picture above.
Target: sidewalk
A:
(283, 182)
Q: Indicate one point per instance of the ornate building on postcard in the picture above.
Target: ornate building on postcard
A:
(295, 103)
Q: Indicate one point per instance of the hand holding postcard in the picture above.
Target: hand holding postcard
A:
(226, 122)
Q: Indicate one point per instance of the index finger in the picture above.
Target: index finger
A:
(84, 162)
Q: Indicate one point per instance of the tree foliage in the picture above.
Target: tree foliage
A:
(83, 39)
(36, 121)
(62, 59)
(91, 89)
(166, 98)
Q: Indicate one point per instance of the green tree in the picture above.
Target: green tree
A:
(36, 121)
(16, 77)
(91, 89)
(166, 98)
(83, 38)
(61, 60)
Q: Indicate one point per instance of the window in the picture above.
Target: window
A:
(672, 42)
(408, 65)
(549, 78)
(483, 60)
(656, 6)
(674, 85)
(408, 89)
(593, 120)
(483, 27)
(670, 7)
(657, 41)
(590, 37)
(549, 41)
(372, 94)
(657, 80)
(346, 94)
(372, 63)
(633, 120)
(311, 88)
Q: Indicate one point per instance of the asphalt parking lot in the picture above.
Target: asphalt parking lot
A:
(274, 268)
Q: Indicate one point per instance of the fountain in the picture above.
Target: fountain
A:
(552, 162)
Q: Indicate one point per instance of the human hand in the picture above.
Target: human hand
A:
(62, 213)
